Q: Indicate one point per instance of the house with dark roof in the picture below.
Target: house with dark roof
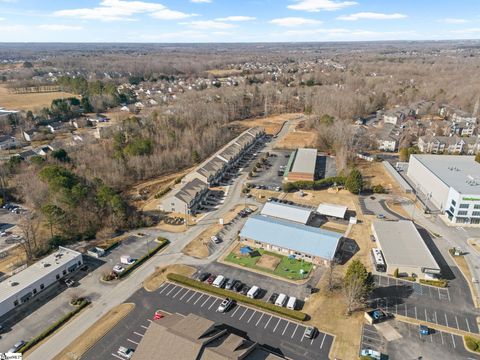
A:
(186, 198)
(8, 142)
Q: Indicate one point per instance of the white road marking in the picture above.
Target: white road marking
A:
(396, 308)
(214, 301)
(143, 326)
(259, 319)
(283, 333)
(190, 298)
(136, 343)
(324, 335)
(441, 336)
(439, 297)
(436, 320)
(371, 338)
(195, 303)
(174, 287)
(238, 307)
(136, 333)
(277, 324)
(165, 288)
(251, 317)
(268, 322)
(294, 331)
(426, 317)
(178, 292)
(446, 320)
(416, 313)
(185, 294)
(205, 301)
(406, 309)
(365, 329)
(448, 293)
(468, 325)
(149, 320)
(453, 339)
(240, 318)
(118, 357)
(456, 320)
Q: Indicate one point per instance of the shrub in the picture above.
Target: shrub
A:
(163, 242)
(163, 192)
(294, 314)
(378, 189)
(472, 343)
(395, 273)
(56, 325)
(437, 283)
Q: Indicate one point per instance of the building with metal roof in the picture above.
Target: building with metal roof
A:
(404, 249)
(22, 286)
(449, 182)
(301, 165)
(289, 238)
(287, 212)
(333, 210)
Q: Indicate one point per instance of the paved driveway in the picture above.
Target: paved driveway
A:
(277, 334)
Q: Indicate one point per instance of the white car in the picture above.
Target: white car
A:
(125, 352)
(225, 305)
(215, 239)
(118, 269)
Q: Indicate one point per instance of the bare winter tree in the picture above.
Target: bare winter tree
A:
(30, 241)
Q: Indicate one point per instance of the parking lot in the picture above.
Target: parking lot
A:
(277, 334)
(372, 340)
(429, 292)
(269, 175)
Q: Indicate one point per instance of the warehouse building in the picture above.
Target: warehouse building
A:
(290, 238)
(21, 287)
(449, 182)
(403, 248)
(301, 165)
(332, 210)
(287, 212)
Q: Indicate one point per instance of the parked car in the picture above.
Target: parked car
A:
(273, 298)
(125, 352)
(380, 216)
(127, 260)
(371, 354)
(118, 269)
(215, 239)
(16, 347)
(237, 287)
(210, 279)
(229, 284)
(310, 332)
(203, 276)
(248, 210)
(225, 305)
(219, 281)
(245, 289)
(253, 292)
(69, 282)
(158, 315)
(423, 330)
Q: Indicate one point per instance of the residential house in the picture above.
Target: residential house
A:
(462, 116)
(98, 118)
(394, 117)
(388, 137)
(8, 142)
(81, 123)
(30, 135)
(462, 128)
(448, 144)
(187, 198)
(56, 126)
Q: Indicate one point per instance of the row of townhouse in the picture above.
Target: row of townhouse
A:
(194, 187)
(448, 145)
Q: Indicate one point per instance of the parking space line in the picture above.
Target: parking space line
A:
(448, 293)
(268, 322)
(441, 336)
(294, 331)
(144, 327)
(205, 301)
(185, 294)
(283, 333)
(238, 307)
(190, 298)
(277, 324)
(324, 336)
(453, 339)
(261, 316)
(365, 329)
(436, 320)
(136, 333)
(149, 320)
(251, 316)
(426, 317)
(195, 303)
(416, 313)
(214, 301)
(371, 338)
(240, 318)
(439, 297)
(178, 292)
(446, 320)
(468, 325)
(136, 343)
(406, 313)
(456, 320)
(311, 342)
(165, 288)
(118, 357)
(174, 287)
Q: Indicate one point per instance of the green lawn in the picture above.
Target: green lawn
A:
(287, 268)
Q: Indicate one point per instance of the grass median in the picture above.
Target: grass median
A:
(294, 314)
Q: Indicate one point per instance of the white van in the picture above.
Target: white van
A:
(219, 280)
(281, 300)
(253, 292)
(292, 303)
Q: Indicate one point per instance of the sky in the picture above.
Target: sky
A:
(180, 21)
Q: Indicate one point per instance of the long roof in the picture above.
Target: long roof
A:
(402, 244)
(286, 234)
(332, 210)
(189, 190)
(287, 212)
(305, 160)
(457, 171)
(37, 271)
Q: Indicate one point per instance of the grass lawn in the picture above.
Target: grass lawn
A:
(287, 268)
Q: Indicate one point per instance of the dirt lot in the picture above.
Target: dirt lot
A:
(224, 72)
(269, 262)
(271, 124)
(25, 102)
(95, 332)
(154, 281)
(375, 173)
(297, 138)
(15, 256)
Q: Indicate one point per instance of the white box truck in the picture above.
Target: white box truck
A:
(292, 303)
(126, 259)
(219, 280)
(281, 300)
(253, 292)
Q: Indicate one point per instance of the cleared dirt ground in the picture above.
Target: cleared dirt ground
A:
(154, 281)
(16, 256)
(271, 124)
(297, 138)
(375, 173)
(32, 102)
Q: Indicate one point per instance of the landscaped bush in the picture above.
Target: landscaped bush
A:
(56, 325)
(163, 242)
(437, 283)
(395, 273)
(163, 192)
(314, 185)
(294, 314)
(409, 278)
(472, 343)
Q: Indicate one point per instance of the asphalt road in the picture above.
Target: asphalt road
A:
(277, 334)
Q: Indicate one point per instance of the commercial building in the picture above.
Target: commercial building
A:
(449, 182)
(301, 165)
(404, 249)
(290, 238)
(332, 210)
(178, 337)
(21, 287)
(287, 212)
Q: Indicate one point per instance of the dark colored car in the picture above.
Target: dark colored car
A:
(273, 298)
(210, 279)
(237, 286)
(244, 290)
(230, 283)
(203, 276)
